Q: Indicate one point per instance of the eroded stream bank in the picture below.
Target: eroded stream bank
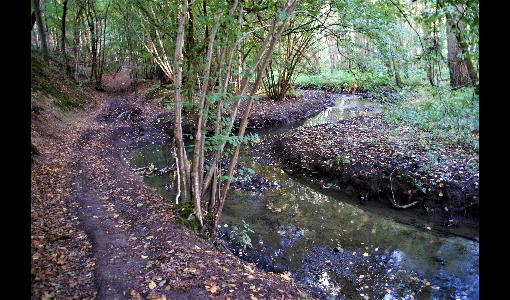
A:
(330, 244)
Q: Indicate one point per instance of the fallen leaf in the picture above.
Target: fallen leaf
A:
(285, 276)
(152, 285)
(211, 288)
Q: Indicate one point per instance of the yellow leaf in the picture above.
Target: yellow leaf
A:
(211, 288)
(152, 285)
(135, 295)
(190, 270)
(285, 276)
(249, 269)
(144, 256)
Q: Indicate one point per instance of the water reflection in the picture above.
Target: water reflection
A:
(333, 247)
(346, 106)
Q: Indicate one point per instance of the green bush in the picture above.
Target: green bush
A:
(344, 81)
(450, 116)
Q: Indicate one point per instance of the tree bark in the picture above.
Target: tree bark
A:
(459, 74)
(244, 121)
(63, 40)
(332, 54)
(40, 28)
(93, 36)
(181, 156)
(33, 20)
(458, 66)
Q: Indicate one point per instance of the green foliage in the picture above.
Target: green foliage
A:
(450, 116)
(241, 234)
(343, 81)
(340, 160)
(213, 143)
(185, 216)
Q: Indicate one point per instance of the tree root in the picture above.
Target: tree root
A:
(394, 202)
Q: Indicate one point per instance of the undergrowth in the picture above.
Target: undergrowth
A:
(343, 81)
(443, 115)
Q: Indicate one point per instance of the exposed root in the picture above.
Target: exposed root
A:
(394, 202)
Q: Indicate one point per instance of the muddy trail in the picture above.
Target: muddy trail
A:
(137, 249)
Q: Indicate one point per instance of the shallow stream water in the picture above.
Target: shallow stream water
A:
(335, 248)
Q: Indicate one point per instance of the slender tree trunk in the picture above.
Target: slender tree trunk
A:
(63, 41)
(430, 48)
(181, 156)
(396, 72)
(100, 70)
(332, 54)
(40, 28)
(77, 41)
(33, 20)
(92, 22)
(273, 38)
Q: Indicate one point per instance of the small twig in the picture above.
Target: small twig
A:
(394, 202)
(467, 163)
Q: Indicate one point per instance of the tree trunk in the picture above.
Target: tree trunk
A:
(459, 74)
(458, 65)
(40, 28)
(181, 157)
(332, 54)
(77, 42)
(398, 80)
(260, 71)
(92, 22)
(63, 41)
(33, 20)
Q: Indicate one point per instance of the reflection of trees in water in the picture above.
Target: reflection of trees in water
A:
(312, 218)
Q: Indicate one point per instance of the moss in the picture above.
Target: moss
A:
(184, 211)
(42, 81)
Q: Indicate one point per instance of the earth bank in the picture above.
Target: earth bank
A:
(363, 156)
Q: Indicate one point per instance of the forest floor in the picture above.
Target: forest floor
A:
(99, 232)
(364, 156)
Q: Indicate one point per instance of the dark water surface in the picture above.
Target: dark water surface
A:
(337, 249)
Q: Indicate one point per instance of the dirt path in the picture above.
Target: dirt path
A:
(139, 250)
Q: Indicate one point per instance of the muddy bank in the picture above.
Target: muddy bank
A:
(99, 231)
(364, 157)
(134, 231)
(266, 113)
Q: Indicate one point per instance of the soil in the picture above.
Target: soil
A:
(267, 113)
(364, 157)
(99, 232)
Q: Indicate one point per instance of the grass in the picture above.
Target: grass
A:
(441, 115)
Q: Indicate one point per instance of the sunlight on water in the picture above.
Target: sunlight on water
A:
(335, 248)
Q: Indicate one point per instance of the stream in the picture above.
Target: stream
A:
(335, 248)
